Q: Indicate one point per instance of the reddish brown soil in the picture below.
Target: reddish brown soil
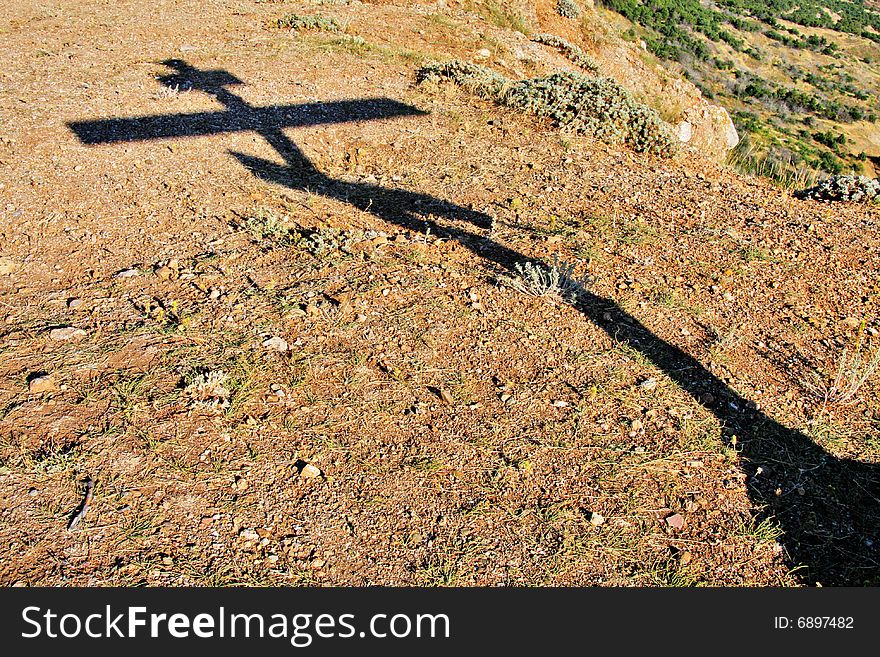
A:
(547, 419)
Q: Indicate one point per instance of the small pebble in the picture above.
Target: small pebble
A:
(276, 344)
(309, 471)
(65, 333)
(7, 266)
(248, 535)
(40, 384)
(675, 521)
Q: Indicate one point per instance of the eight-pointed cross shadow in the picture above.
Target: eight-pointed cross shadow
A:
(828, 508)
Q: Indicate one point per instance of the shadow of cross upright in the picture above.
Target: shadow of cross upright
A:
(298, 172)
(828, 508)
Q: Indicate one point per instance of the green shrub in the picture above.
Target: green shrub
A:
(585, 104)
(574, 53)
(479, 80)
(829, 139)
(296, 22)
(827, 162)
(568, 9)
(843, 188)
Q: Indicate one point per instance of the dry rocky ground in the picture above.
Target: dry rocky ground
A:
(286, 366)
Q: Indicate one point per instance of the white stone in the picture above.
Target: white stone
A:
(685, 131)
(276, 344)
(249, 535)
(67, 333)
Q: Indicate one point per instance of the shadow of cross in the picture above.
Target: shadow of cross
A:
(239, 116)
(828, 508)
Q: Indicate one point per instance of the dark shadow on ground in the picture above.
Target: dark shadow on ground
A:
(828, 508)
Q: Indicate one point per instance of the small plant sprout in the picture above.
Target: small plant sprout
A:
(538, 280)
(853, 370)
(173, 91)
(207, 390)
(267, 226)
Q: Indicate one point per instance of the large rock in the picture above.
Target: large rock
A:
(699, 123)
(712, 129)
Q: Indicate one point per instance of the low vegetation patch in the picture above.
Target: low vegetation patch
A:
(843, 188)
(854, 369)
(574, 53)
(296, 22)
(787, 169)
(568, 9)
(208, 390)
(266, 226)
(538, 280)
(584, 104)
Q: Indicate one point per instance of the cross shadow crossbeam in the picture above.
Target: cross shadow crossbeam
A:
(200, 124)
(828, 508)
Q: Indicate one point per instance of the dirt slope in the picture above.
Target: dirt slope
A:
(343, 279)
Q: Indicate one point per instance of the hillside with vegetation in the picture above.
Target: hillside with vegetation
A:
(800, 78)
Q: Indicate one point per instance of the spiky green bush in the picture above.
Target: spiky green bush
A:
(568, 9)
(574, 53)
(540, 280)
(572, 101)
